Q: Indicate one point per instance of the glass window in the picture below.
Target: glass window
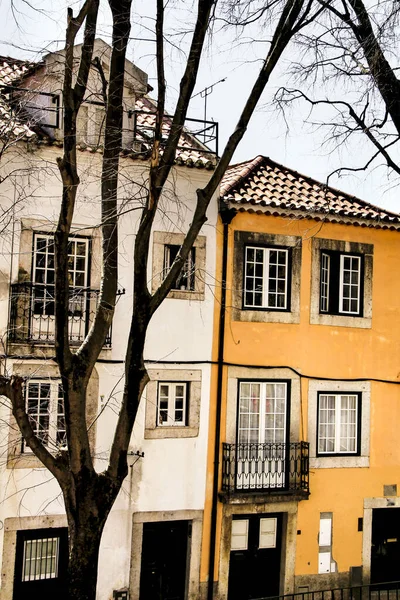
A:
(40, 560)
(45, 409)
(341, 284)
(172, 404)
(338, 423)
(266, 278)
(186, 278)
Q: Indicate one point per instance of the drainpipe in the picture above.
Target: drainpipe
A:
(226, 216)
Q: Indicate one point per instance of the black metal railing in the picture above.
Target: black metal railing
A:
(372, 591)
(32, 313)
(268, 468)
(44, 109)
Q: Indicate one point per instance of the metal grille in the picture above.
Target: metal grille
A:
(377, 591)
(40, 559)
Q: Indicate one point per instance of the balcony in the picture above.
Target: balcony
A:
(32, 314)
(266, 469)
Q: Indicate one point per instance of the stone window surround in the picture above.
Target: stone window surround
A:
(288, 552)
(193, 378)
(11, 526)
(164, 238)
(235, 374)
(31, 226)
(317, 318)
(194, 547)
(20, 460)
(245, 238)
(337, 461)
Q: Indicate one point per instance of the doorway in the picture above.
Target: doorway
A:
(385, 545)
(255, 558)
(41, 561)
(164, 560)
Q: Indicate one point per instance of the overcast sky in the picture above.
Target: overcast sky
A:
(301, 148)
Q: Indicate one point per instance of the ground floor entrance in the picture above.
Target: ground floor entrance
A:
(164, 560)
(255, 557)
(385, 545)
(41, 561)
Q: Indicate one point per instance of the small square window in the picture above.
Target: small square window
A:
(341, 284)
(266, 278)
(338, 423)
(172, 404)
(185, 281)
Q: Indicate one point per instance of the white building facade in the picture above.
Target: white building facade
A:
(152, 540)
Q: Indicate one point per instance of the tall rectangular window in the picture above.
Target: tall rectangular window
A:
(341, 283)
(45, 409)
(338, 418)
(172, 404)
(186, 279)
(266, 277)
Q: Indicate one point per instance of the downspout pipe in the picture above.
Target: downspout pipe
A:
(226, 215)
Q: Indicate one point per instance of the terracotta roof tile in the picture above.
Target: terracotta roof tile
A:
(12, 124)
(261, 183)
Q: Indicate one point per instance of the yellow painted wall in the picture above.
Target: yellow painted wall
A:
(327, 351)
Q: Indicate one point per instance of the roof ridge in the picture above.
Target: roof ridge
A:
(242, 175)
(339, 192)
(249, 166)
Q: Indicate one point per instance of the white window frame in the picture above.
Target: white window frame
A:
(172, 399)
(54, 415)
(72, 272)
(325, 276)
(266, 279)
(262, 427)
(338, 425)
(342, 298)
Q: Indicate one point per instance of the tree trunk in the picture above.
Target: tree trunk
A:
(83, 560)
(88, 502)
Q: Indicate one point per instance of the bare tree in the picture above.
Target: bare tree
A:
(89, 495)
(348, 68)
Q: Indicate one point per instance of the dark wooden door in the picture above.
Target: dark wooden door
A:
(41, 561)
(164, 560)
(385, 550)
(255, 559)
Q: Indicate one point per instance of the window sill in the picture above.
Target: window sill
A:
(185, 295)
(265, 316)
(339, 462)
(341, 321)
(24, 461)
(169, 431)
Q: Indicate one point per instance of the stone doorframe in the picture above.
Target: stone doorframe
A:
(369, 505)
(289, 533)
(194, 548)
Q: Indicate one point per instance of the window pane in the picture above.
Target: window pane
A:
(350, 284)
(40, 560)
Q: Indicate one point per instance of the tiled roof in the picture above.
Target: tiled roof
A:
(262, 185)
(191, 152)
(12, 124)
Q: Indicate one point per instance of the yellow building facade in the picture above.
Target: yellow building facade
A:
(304, 458)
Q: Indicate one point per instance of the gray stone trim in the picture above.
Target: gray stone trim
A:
(244, 238)
(237, 373)
(289, 538)
(11, 526)
(163, 238)
(316, 318)
(20, 460)
(331, 462)
(193, 377)
(194, 548)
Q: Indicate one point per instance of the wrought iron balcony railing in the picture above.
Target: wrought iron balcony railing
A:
(372, 591)
(32, 313)
(266, 468)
